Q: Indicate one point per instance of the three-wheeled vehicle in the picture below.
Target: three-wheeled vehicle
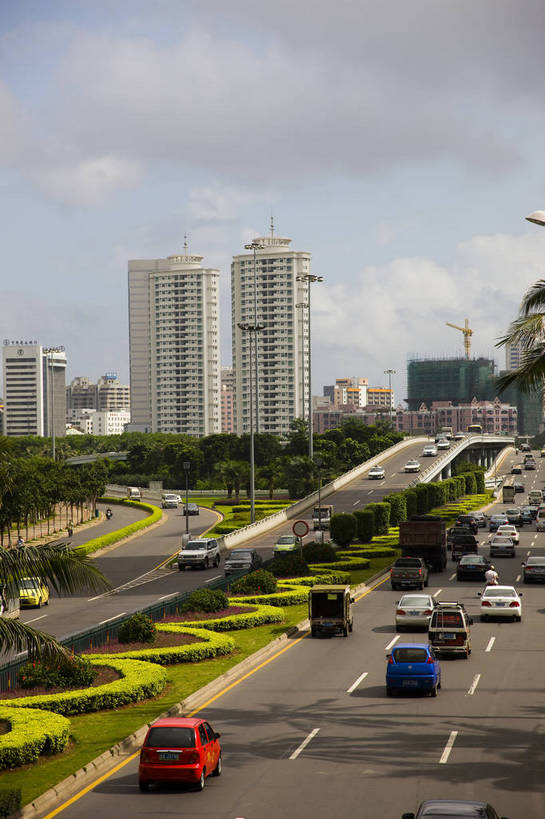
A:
(330, 610)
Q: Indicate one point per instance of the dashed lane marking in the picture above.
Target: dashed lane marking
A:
(452, 576)
(304, 743)
(392, 643)
(437, 593)
(213, 578)
(448, 747)
(517, 578)
(355, 503)
(355, 685)
(490, 644)
(102, 622)
(35, 620)
(474, 685)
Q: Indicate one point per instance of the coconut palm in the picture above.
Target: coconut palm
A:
(529, 331)
(64, 569)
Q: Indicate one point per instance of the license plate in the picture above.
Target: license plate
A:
(413, 613)
(168, 755)
(499, 604)
(410, 683)
(448, 635)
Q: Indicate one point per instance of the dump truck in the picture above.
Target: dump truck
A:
(424, 536)
(321, 517)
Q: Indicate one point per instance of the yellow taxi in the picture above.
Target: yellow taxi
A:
(33, 592)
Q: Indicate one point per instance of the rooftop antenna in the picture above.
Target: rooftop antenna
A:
(272, 224)
(186, 246)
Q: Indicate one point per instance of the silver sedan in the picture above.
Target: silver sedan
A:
(414, 611)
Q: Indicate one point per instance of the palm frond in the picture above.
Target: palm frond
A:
(534, 298)
(530, 375)
(65, 569)
(526, 329)
(18, 637)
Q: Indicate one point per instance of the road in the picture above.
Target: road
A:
(367, 755)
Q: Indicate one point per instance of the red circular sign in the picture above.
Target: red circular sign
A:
(300, 528)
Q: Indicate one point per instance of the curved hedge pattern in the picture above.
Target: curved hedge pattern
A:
(213, 645)
(33, 732)
(348, 564)
(320, 577)
(292, 596)
(234, 622)
(139, 681)
(97, 543)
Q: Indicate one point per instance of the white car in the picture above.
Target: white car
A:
(443, 444)
(501, 601)
(412, 466)
(509, 530)
(414, 610)
(429, 451)
(376, 473)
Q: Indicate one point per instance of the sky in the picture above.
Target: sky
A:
(400, 143)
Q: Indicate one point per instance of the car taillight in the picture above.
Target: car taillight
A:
(391, 570)
(146, 755)
(514, 604)
(427, 612)
(420, 571)
(430, 659)
(192, 758)
(485, 603)
(400, 611)
(390, 660)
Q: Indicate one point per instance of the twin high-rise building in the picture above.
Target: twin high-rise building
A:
(175, 348)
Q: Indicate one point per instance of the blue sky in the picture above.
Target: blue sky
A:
(401, 145)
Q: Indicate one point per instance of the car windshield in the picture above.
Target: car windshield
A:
(499, 592)
(410, 655)
(498, 518)
(169, 736)
(195, 545)
(414, 601)
(240, 554)
(471, 559)
(285, 540)
(29, 584)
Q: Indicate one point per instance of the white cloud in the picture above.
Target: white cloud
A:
(87, 181)
(15, 129)
(221, 203)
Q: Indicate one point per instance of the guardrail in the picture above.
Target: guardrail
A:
(441, 462)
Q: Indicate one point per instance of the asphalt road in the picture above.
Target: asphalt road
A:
(367, 755)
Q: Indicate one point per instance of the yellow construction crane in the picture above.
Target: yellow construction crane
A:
(467, 335)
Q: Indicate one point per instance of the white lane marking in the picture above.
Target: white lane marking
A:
(34, 621)
(355, 685)
(448, 747)
(304, 744)
(452, 576)
(474, 685)
(213, 578)
(517, 578)
(102, 622)
(490, 644)
(370, 491)
(392, 643)
(164, 597)
(355, 503)
(437, 593)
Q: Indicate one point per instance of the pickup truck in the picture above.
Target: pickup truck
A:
(409, 572)
(464, 545)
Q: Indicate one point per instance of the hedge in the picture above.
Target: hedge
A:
(33, 732)
(139, 681)
(213, 645)
(381, 512)
(398, 508)
(365, 523)
(411, 501)
(342, 528)
(348, 565)
(292, 595)
(328, 578)
(234, 622)
(371, 552)
(97, 543)
(10, 801)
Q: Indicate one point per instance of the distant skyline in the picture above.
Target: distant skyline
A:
(402, 145)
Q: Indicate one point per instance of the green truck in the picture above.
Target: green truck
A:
(330, 610)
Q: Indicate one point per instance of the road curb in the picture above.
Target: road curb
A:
(113, 756)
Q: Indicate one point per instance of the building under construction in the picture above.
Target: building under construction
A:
(449, 379)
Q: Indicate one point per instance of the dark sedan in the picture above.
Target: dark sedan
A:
(243, 560)
(519, 487)
(472, 567)
(528, 513)
(453, 809)
(191, 509)
(533, 571)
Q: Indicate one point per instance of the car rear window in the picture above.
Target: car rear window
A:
(535, 561)
(241, 554)
(171, 736)
(407, 561)
(410, 655)
(414, 601)
(471, 559)
(447, 618)
(490, 592)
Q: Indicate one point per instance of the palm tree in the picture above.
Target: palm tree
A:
(529, 331)
(65, 570)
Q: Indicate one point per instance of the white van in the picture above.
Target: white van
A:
(540, 520)
(535, 497)
(133, 493)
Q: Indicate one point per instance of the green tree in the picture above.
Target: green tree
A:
(527, 330)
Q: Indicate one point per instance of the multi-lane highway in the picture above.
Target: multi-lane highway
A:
(312, 734)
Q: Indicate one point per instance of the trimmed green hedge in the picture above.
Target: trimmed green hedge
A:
(97, 543)
(293, 595)
(347, 565)
(10, 801)
(139, 681)
(381, 513)
(213, 645)
(325, 577)
(365, 524)
(369, 552)
(33, 732)
(235, 622)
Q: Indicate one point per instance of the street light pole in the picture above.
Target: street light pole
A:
(187, 466)
(309, 278)
(389, 373)
(255, 246)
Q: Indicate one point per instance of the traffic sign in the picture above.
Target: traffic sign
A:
(300, 528)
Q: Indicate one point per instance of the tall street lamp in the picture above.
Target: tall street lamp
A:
(252, 330)
(537, 217)
(187, 466)
(301, 306)
(309, 278)
(255, 246)
(319, 464)
(390, 373)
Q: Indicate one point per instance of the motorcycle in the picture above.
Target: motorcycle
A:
(108, 513)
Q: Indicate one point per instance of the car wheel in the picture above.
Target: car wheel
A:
(519, 619)
(439, 684)
(180, 568)
(143, 786)
(350, 626)
(219, 767)
(433, 692)
(39, 603)
(484, 618)
(206, 564)
(46, 602)
(202, 780)
(389, 692)
(345, 631)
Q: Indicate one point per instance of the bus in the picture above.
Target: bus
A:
(476, 428)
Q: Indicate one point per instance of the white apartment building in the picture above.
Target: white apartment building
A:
(104, 422)
(34, 380)
(282, 344)
(107, 394)
(174, 345)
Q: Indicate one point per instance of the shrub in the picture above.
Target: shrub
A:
(206, 600)
(437, 493)
(69, 672)
(411, 502)
(261, 582)
(381, 512)
(471, 483)
(137, 629)
(398, 508)
(479, 479)
(319, 553)
(365, 521)
(31, 733)
(342, 528)
(291, 565)
(422, 498)
(97, 543)
(10, 801)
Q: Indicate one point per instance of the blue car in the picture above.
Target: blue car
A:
(413, 667)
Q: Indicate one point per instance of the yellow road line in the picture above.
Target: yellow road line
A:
(229, 687)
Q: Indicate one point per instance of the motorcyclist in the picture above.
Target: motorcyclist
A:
(491, 576)
(108, 513)
(20, 541)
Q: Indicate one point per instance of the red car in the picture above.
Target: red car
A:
(177, 749)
